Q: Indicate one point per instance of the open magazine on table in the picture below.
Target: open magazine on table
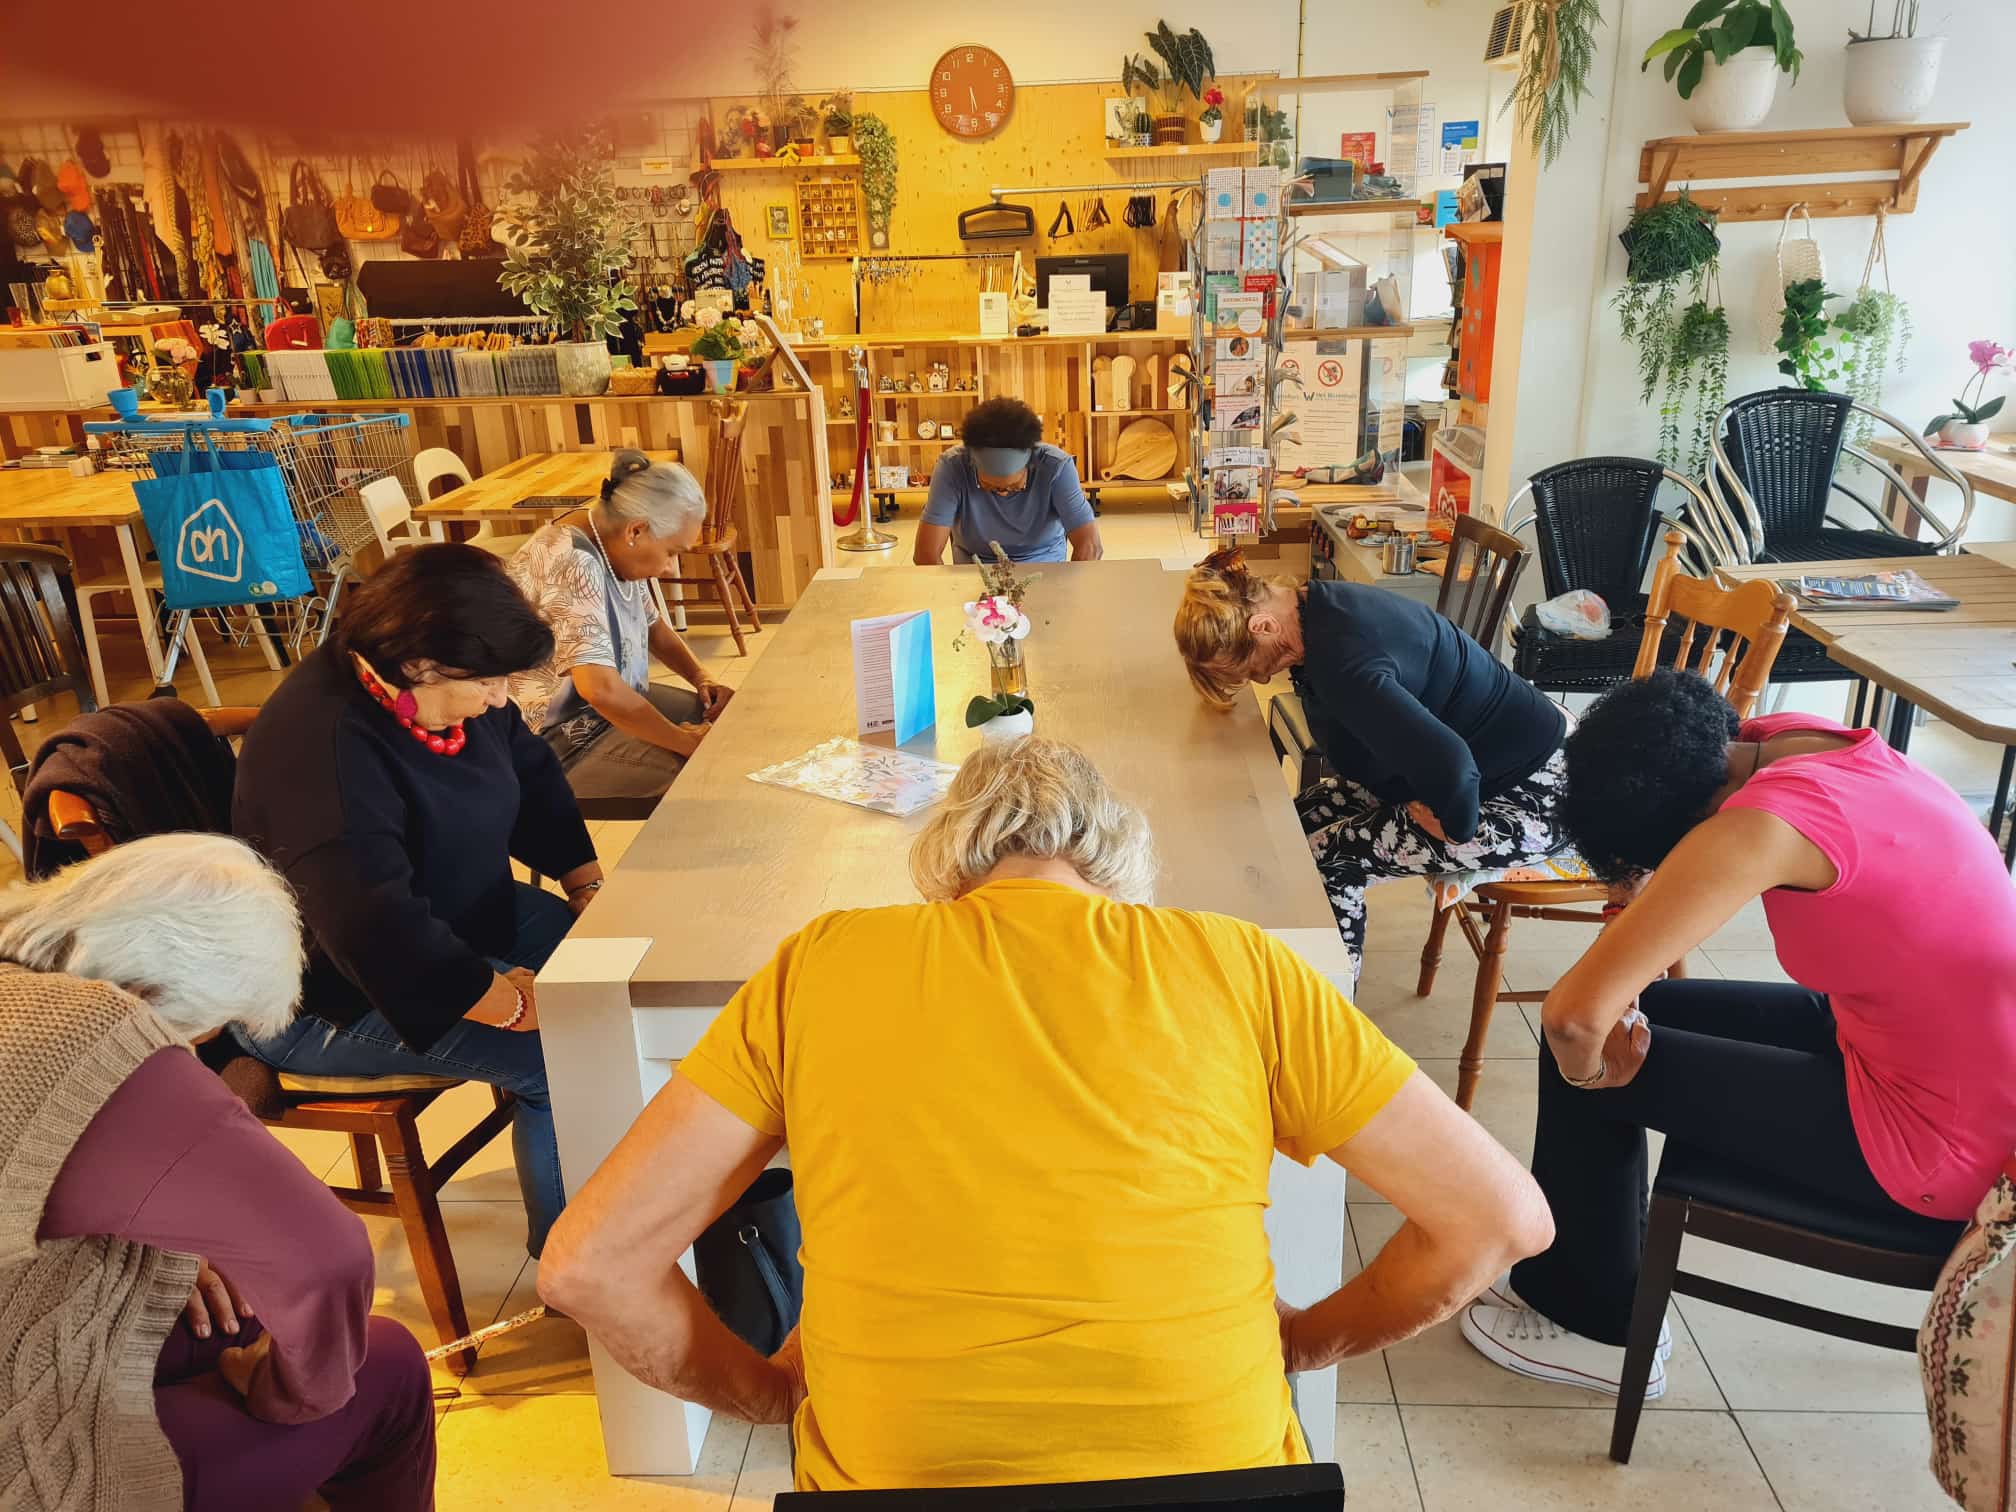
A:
(1825, 593)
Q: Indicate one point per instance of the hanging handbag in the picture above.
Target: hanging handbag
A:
(359, 219)
(419, 238)
(309, 220)
(221, 526)
(1967, 1357)
(39, 179)
(446, 209)
(747, 1261)
(476, 238)
(390, 196)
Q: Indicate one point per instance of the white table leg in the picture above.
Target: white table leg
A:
(143, 602)
(600, 1081)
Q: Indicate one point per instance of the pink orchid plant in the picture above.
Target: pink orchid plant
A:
(994, 620)
(1988, 357)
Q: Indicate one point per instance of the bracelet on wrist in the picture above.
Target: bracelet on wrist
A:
(518, 1013)
(1586, 1083)
(585, 887)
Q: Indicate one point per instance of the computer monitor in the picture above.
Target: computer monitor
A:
(1108, 272)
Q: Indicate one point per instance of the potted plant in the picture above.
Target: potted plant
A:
(1553, 78)
(1144, 129)
(1891, 74)
(876, 145)
(838, 110)
(718, 348)
(1804, 334)
(1187, 65)
(996, 620)
(1727, 72)
(1682, 348)
(772, 55)
(576, 243)
(1003, 716)
(801, 124)
(1966, 429)
(1212, 122)
(1139, 72)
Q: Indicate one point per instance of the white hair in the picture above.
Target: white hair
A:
(664, 495)
(1039, 798)
(198, 926)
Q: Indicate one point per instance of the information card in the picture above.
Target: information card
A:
(893, 688)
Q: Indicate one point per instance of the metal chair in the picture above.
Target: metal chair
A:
(717, 542)
(1596, 521)
(40, 652)
(1284, 1488)
(375, 1112)
(1703, 1194)
(1486, 562)
(1754, 618)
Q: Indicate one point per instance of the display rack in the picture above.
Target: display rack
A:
(1697, 162)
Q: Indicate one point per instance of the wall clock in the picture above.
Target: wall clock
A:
(971, 91)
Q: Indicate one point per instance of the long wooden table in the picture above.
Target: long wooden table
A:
(568, 478)
(727, 867)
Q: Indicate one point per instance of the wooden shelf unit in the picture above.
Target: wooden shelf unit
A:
(801, 165)
(1349, 333)
(1224, 151)
(1476, 233)
(1698, 162)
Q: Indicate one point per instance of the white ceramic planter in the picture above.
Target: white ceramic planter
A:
(839, 146)
(1737, 95)
(1009, 726)
(584, 367)
(1891, 80)
(1209, 131)
(1962, 436)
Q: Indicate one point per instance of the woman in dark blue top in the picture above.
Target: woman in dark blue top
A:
(393, 783)
(1446, 761)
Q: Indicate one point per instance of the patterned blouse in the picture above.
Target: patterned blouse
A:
(597, 621)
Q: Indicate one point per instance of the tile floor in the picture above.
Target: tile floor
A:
(1757, 1415)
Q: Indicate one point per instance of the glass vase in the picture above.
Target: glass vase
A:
(1005, 665)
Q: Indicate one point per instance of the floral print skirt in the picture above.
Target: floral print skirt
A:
(1358, 839)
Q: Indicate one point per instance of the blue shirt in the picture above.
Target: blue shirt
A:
(1031, 525)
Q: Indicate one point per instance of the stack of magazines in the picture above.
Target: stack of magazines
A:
(1902, 589)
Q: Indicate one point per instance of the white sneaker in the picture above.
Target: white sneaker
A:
(1500, 1294)
(1531, 1344)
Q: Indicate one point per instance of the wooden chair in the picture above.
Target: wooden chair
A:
(1753, 618)
(375, 1112)
(1283, 1488)
(717, 538)
(41, 654)
(1484, 563)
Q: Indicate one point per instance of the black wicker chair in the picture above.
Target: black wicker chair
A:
(1596, 521)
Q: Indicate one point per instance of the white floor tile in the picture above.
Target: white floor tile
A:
(1846, 1462)
(544, 1454)
(766, 1470)
(1372, 1449)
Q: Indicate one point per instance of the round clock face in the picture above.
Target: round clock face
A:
(971, 91)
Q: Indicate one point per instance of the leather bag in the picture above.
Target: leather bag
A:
(310, 217)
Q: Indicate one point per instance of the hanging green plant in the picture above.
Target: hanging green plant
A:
(1682, 349)
(875, 143)
(1878, 324)
(1554, 62)
(1806, 350)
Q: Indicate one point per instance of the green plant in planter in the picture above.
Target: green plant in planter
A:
(984, 708)
(838, 113)
(720, 342)
(1738, 24)
(1879, 325)
(876, 145)
(1553, 78)
(1805, 349)
(576, 236)
(1186, 62)
(1682, 349)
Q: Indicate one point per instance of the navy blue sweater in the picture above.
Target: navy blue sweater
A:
(1407, 705)
(400, 856)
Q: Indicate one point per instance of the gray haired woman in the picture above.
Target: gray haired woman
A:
(589, 573)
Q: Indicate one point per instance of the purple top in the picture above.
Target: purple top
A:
(175, 1161)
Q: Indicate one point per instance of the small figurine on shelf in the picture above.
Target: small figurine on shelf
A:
(941, 377)
(886, 386)
(916, 384)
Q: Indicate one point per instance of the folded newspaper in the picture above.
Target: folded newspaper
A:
(1900, 589)
(870, 777)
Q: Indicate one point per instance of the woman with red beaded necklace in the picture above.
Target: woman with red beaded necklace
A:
(393, 782)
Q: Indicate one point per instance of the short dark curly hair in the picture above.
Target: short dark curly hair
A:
(1006, 423)
(1643, 766)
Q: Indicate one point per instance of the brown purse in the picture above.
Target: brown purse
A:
(446, 210)
(476, 239)
(419, 238)
(361, 220)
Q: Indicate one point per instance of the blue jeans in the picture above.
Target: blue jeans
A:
(475, 1052)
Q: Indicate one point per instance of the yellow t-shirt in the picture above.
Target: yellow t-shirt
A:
(1031, 1133)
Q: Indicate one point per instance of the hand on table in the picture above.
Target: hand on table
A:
(714, 698)
(214, 1304)
(1424, 818)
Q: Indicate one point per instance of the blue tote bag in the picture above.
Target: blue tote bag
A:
(221, 527)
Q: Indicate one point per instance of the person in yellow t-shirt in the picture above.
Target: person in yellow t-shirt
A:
(1031, 1122)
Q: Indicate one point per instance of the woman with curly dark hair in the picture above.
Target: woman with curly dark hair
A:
(1882, 1076)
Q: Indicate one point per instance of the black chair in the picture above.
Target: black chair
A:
(1597, 523)
(1705, 1194)
(1288, 1488)
(40, 653)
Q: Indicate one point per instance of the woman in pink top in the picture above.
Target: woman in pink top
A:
(1883, 1078)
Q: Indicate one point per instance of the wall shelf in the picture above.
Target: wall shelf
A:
(1355, 207)
(1222, 150)
(1349, 333)
(1699, 162)
(802, 165)
(1475, 232)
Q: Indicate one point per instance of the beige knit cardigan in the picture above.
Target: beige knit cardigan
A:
(82, 1321)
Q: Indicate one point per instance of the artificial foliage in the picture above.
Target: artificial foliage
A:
(1879, 324)
(1807, 349)
(1554, 64)
(1186, 59)
(875, 144)
(1682, 347)
(575, 239)
(1720, 29)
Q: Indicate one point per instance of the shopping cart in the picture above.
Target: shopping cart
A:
(324, 462)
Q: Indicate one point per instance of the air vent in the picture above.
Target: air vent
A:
(1506, 28)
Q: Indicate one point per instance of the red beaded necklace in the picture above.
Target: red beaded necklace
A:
(406, 710)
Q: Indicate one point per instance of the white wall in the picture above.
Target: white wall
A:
(1954, 259)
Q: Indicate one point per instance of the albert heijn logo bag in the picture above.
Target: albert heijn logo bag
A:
(221, 527)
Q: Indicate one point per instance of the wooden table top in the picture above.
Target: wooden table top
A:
(571, 476)
(1992, 471)
(726, 867)
(1982, 578)
(50, 498)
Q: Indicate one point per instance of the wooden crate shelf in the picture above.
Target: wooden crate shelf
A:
(1703, 163)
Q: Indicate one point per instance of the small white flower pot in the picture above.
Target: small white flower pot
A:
(1962, 436)
(1737, 95)
(1209, 131)
(1009, 726)
(1891, 80)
